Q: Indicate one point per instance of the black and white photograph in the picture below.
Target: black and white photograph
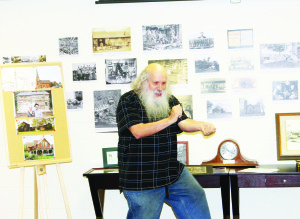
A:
(162, 37)
(219, 109)
(285, 90)
(120, 71)
(113, 39)
(201, 40)
(5, 60)
(293, 134)
(186, 104)
(74, 100)
(241, 61)
(213, 85)
(68, 46)
(207, 63)
(279, 56)
(84, 71)
(105, 106)
(35, 125)
(244, 84)
(183, 152)
(238, 39)
(176, 69)
(252, 106)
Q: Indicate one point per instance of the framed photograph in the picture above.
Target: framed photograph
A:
(110, 157)
(288, 136)
(183, 152)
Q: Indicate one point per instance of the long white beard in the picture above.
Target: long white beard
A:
(156, 107)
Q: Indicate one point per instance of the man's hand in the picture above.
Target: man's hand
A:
(176, 113)
(208, 129)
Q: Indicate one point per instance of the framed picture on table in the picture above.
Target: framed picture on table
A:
(183, 152)
(110, 157)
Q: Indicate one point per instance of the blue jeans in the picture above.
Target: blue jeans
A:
(186, 197)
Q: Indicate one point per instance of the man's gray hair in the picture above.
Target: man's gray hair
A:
(138, 83)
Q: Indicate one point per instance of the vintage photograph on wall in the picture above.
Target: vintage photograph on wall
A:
(176, 69)
(48, 77)
(38, 147)
(213, 85)
(207, 63)
(35, 125)
(23, 59)
(238, 39)
(285, 90)
(187, 104)
(280, 55)
(219, 109)
(162, 37)
(201, 40)
(37, 103)
(241, 61)
(110, 157)
(252, 106)
(288, 136)
(120, 71)
(84, 71)
(183, 152)
(68, 46)
(113, 39)
(74, 100)
(105, 106)
(244, 84)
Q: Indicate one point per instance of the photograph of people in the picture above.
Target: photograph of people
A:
(30, 112)
(37, 111)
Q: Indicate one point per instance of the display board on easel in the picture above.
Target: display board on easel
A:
(34, 112)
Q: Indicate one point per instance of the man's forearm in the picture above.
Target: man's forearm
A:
(190, 125)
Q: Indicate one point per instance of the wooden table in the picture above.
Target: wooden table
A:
(101, 180)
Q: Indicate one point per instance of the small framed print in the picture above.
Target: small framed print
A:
(183, 152)
(288, 136)
(110, 157)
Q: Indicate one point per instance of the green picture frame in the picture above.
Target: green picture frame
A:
(110, 157)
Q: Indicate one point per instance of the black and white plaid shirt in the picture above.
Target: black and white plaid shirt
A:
(149, 162)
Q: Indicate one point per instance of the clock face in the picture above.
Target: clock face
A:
(228, 150)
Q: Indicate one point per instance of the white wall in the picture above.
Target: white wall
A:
(34, 26)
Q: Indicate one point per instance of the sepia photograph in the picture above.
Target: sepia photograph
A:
(35, 125)
(244, 84)
(238, 39)
(116, 39)
(162, 37)
(33, 103)
(219, 109)
(201, 40)
(176, 69)
(28, 59)
(241, 61)
(38, 147)
(105, 106)
(186, 104)
(285, 90)
(84, 71)
(68, 46)
(74, 100)
(120, 71)
(213, 85)
(253, 106)
(280, 55)
(207, 63)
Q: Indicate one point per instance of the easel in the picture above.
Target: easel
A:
(38, 210)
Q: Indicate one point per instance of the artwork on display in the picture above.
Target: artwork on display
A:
(252, 106)
(35, 125)
(105, 106)
(176, 69)
(238, 39)
(68, 46)
(84, 71)
(244, 84)
(38, 147)
(187, 104)
(183, 152)
(213, 85)
(162, 37)
(23, 59)
(285, 90)
(110, 157)
(201, 40)
(219, 109)
(241, 61)
(74, 100)
(207, 63)
(288, 136)
(279, 55)
(112, 39)
(120, 71)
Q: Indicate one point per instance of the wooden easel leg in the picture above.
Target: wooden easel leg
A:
(46, 196)
(63, 189)
(36, 203)
(39, 194)
(21, 193)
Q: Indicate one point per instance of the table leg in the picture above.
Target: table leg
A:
(235, 197)
(225, 192)
(98, 198)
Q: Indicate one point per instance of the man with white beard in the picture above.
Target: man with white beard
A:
(149, 118)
